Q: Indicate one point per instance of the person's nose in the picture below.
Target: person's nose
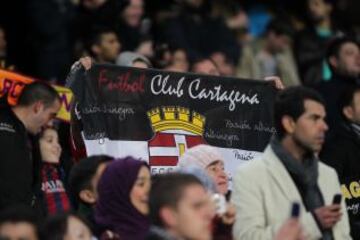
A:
(324, 126)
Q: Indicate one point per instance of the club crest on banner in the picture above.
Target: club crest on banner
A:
(176, 129)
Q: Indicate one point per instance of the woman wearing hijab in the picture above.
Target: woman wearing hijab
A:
(122, 206)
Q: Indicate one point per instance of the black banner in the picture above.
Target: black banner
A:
(124, 103)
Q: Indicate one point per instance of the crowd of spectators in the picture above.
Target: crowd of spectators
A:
(311, 48)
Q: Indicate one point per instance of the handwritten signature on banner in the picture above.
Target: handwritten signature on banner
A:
(12, 83)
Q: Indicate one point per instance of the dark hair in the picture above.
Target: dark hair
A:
(166, 191)
(326, 1)
(200, 60)
(160, 50)
(43, 129)
(95, 37)
(55, 227)
(334, 46)
(38, 91)
(347, 98)
(81, 174)
(290, 102)
(37, 159)
(280, 27)
(18, 214)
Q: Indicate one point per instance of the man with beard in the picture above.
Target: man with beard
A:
(104, 45)
(288, 172)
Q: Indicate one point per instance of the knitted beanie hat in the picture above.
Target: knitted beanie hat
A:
(201, 156)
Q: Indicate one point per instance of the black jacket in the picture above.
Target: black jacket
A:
(201, 35)
(49, 37)
(332, 92)
(16, 164)
(158, 233)
(310, 51)
(343, 154)
(88, 19)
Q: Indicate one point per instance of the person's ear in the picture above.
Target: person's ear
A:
(87, 196)
(348, 112)
(37, 107)
(333, 61)
(288, 124)
(168, 216)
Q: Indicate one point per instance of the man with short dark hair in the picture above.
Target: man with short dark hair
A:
(104, 45)
(343, 153)
(83, 181)
(271, 55)
(343, 56)
(37, 105)
(180, 208)
(18, 222)
(289, 171)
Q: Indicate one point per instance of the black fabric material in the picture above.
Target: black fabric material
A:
(310, 50)
(157, 233)
(87, 211)
(103, 101)
(356, 129)
(77, 143)
(50, 39)
(130, 37)
(331, 92)
(201, 36)
(87, 19)
(343, 154)
(221, 231)
(16, 163)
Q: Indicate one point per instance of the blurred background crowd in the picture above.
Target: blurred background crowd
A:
(312, 43)
(41, 38)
